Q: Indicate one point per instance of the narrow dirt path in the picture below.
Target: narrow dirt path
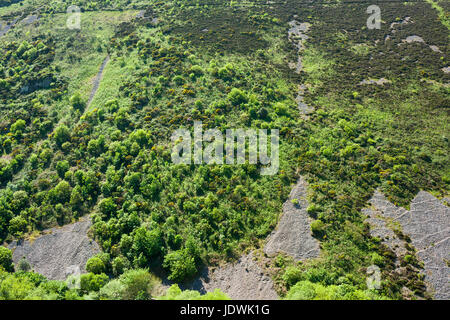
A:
(97, 81)
(8, 26)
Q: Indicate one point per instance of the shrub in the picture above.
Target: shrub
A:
(113, 290)
(61, 193)
(19, 201)
(181, 265)
(121, 118)
(112, 105)
(303, 290)
(227, 72)
(13, 287)
(178, 80)
(175, 293)
(197, 70)
(17, 226)
(34, 161)
(120, 265)
(281, 109)
(77, 102)
(62, 167)
(19, 125)
(95, 265)
(292, 275)
(146, 242)
(313, 210)
(62, 134)
(137, 284)
(237, 97)
(92, 282)
(107, 207)
(23, 265)
(318, 228)
(6, 259)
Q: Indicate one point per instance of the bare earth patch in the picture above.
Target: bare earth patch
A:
(59, 252)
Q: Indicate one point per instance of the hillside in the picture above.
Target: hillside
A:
(87, 116)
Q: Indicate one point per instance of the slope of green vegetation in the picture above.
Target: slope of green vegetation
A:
(227, 67)
(362, 137)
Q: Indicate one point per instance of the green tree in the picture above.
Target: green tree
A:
(19, 125)
(62, 167)
(61, 193)
(120, 265)
(76, 198)
(107, 207)
(19, 201)
(146, 242)
(292, 275)
(17, 226)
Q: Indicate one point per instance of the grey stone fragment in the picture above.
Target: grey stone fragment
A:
(414, 38)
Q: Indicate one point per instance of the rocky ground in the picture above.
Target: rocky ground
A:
(297, 35)
(242, 280)
(427, 224)
(293, 233)
(59, 252)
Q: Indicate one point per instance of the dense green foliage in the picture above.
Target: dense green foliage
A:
(305, 290)
(62, 158)
(136, 284)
